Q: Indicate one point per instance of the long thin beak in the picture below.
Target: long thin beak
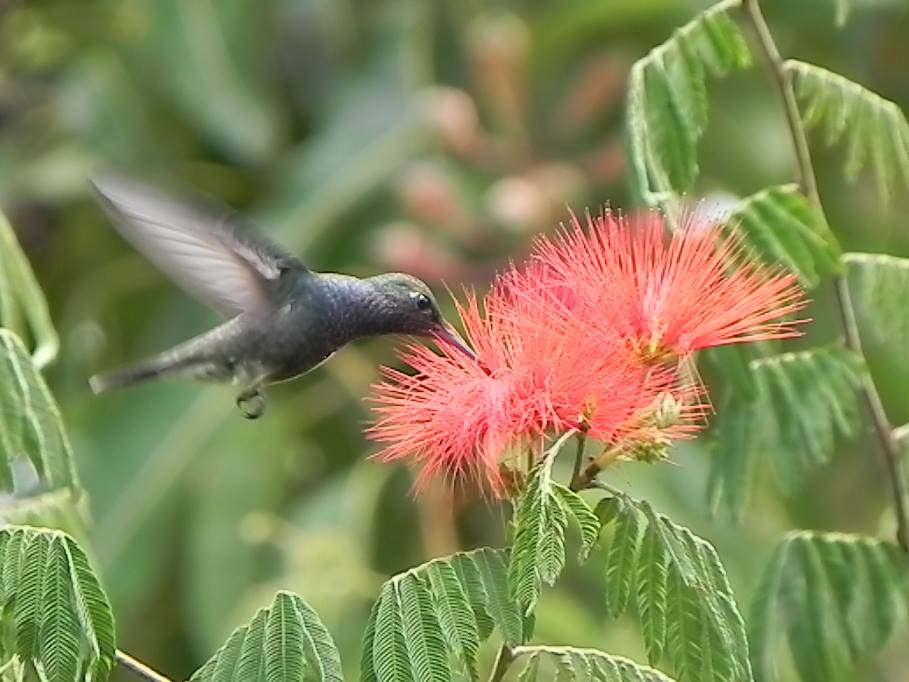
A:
(445, 333)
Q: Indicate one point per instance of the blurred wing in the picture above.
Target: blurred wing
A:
(207, 251)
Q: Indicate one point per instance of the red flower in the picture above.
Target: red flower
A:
(589, 334)
(670, 295)
(538, 369)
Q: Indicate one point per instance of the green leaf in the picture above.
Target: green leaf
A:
(284, 642)
(805, 399)
(838, 598)
(63, 622)
(879, 285)
(570, 664)
(735, 436)
(429, 621)
(683, 599)
(874, 129)
(455, 615)
(540, 520)
(23, 308)
(622, 559)
(785, 230)
(36, 459)
(667, 100)
(588, 521)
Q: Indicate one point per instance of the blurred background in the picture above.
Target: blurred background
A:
(432, 137)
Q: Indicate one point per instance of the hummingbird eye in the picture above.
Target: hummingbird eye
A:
(422, 301)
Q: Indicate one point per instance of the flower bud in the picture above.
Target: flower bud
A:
(429, 194)
(667, 411)
(451, 115)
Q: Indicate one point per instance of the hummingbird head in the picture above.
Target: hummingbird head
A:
(408, 307)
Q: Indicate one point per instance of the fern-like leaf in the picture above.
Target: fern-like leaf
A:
(570, 664)
(785, 230)
(61, 621)
(540, 520)
(667, 100)
(23, 308)
(734, 437)
(36, 459)
(805, 399)
(429, 621)
(879, 285)
(284, 642)
(683, 599)
(839, 599)
(874, 129)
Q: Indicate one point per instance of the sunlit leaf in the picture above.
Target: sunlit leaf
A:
(570, 664)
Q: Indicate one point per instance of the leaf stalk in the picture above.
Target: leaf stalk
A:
(139, 668)
(504, 659)
(889, 445)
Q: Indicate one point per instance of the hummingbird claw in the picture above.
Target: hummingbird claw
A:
(251, 403)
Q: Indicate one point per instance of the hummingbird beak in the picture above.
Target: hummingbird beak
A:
(445, 333)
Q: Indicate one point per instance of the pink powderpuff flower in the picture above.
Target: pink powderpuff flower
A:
(538, 369)
(670, 295)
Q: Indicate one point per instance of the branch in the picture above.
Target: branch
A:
(888, 444)
(503, 660)
(140, 668)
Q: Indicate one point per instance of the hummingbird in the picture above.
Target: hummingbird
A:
(282, 319)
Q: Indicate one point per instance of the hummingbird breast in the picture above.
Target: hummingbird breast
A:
(315, 316)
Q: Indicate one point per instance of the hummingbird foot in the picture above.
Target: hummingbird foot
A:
(252, 402)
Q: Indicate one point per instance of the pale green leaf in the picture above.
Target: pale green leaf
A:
(806, 399)
(570, 664)
(784, 229)
(666, 111)
(879, 285)
(838, 598)
(23, 307)
(874, 130)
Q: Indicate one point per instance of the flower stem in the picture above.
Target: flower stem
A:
(587, 478)
(888, 444)
(578, 459)
(140, 668)
(503, 660)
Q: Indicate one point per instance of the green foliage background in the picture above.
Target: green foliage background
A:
(326, 121)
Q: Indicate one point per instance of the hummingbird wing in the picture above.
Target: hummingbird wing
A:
(209, 251)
